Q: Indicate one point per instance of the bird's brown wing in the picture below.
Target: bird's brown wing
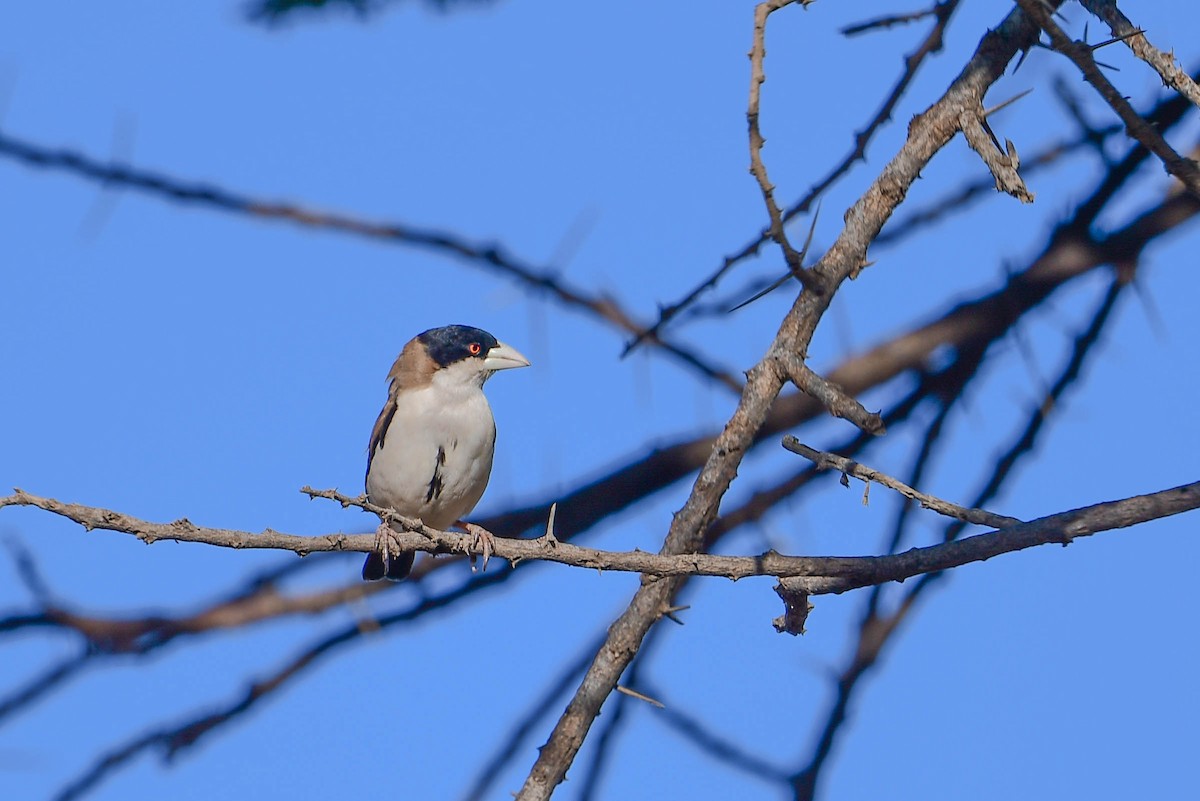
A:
(412, 369)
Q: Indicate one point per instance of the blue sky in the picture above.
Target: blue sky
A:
(170, 361)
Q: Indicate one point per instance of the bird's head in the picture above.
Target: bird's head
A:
(457, 355)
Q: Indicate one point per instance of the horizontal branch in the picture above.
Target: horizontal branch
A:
(819, 574)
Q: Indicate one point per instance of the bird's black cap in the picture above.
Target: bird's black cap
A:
(453, 343)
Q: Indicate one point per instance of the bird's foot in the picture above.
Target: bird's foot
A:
(483, 540)
(386, 560)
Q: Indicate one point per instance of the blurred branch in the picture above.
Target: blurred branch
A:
(44, 682)
(888, 21)
(874, 633)
(1185, 169)
(713, 744)
(966, 329)
(274, 12)
(876, 628)
(170, 740)
(932, 43)
(489, 770)
(489, 257)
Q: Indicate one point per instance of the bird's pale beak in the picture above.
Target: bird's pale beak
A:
(503, 357)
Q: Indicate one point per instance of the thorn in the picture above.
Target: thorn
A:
(811, 228)
(1116, 39)
(550, 538)
(1020, 61)
(1005, 104)
(669, 613)
(640, 696)
(1013, 157)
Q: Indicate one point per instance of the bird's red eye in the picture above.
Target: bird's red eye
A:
(475, 348)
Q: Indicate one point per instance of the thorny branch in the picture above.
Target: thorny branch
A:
(1183, 168)
(932, 43)
(1073, 251)
(758, 52)
(1135, 39)
(849, 467)
(827, 573)
(928, 133)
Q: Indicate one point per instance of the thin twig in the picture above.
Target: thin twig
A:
(758, 52)
(831, 461)
(832, 397)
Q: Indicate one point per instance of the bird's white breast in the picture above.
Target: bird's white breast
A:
(436, 454)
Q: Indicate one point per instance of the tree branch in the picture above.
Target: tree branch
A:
(932, 43)
(928, 133)
(1162, 63)
(1185, 169)
(824, 573)
(849, 467)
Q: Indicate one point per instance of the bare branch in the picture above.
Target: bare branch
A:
(827, 573)
(1163, 63)
(932, 43)
(1185, 169)
(928, 133)
(832, 396)
(714, 744)
(831, 461)
(1002, 164)
(889, 21)
(758, 52)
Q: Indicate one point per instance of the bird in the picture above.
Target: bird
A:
(430, 453)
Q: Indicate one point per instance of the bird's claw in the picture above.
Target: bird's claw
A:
(483, 540)
(387, 559)
(384, 544)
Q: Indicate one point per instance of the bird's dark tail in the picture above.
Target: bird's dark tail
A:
(395, 569)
